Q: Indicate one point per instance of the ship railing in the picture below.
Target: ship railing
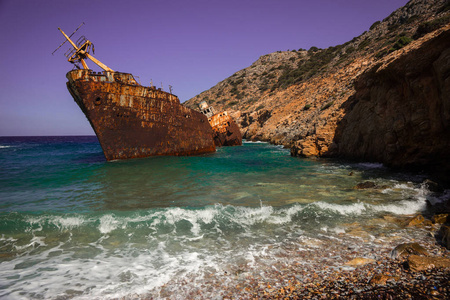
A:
(138, 79)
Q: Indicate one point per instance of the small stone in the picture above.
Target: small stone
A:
(382, 279)
(417, 220)
(434, 293)
(365, 185)
(359, 261)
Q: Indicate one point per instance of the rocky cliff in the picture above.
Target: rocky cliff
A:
(400, 111)
(382, 96)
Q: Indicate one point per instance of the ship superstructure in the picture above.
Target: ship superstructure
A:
(226, 131)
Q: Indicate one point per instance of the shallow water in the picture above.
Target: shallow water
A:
(75, 226)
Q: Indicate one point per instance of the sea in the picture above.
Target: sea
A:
(74, 226)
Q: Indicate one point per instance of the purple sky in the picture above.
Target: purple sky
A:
(191, 45)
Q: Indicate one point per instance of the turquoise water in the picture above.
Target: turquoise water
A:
(75, 226)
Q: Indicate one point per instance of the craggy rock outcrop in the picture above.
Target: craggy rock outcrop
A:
(383, 96)
(400, 113)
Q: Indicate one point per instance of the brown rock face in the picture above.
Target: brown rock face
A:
(400, 113)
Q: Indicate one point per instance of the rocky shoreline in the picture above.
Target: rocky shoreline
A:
(414, 274)
(414, 270)
(354, 264)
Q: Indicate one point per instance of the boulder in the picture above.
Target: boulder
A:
(444, 235)
(419, 221)
(408, 249)
(420, 263)
(440, 219)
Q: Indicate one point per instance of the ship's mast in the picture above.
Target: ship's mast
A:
(81, 52)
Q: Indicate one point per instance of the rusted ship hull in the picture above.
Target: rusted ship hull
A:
(131, 120)
(226, 131)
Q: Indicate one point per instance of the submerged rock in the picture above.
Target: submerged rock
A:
(359, 261)
(365, 185)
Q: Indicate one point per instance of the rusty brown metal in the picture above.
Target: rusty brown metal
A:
(226, 131)
(131, 120)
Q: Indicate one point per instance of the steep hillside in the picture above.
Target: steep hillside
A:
(300, 98)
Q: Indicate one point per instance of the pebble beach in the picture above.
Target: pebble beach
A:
(327, 268)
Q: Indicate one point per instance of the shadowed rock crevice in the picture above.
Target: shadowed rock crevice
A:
(400, 112)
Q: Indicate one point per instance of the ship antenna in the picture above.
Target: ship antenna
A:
(69, 37)
(81, 51)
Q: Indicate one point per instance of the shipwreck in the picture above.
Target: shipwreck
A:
(131, 120)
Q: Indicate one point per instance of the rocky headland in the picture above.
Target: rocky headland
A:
(381, 97)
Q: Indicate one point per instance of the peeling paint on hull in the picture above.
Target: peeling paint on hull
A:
(131, 120)
(226, 131)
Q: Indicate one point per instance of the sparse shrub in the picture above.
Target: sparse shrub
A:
(259, 107)
(375, 25)
(327, 105)
(313, 49)
(306, 107)
(428, 27)
(231, 103)
(307, 68)
(400, 43)
(364, 44)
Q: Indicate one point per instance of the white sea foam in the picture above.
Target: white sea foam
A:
(68, 222)
(352, 209)
(401, 208)
(108, 223)
(253, 142)
(4, 146)
(404, 207)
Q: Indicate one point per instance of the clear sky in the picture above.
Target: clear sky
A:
(189, 44)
